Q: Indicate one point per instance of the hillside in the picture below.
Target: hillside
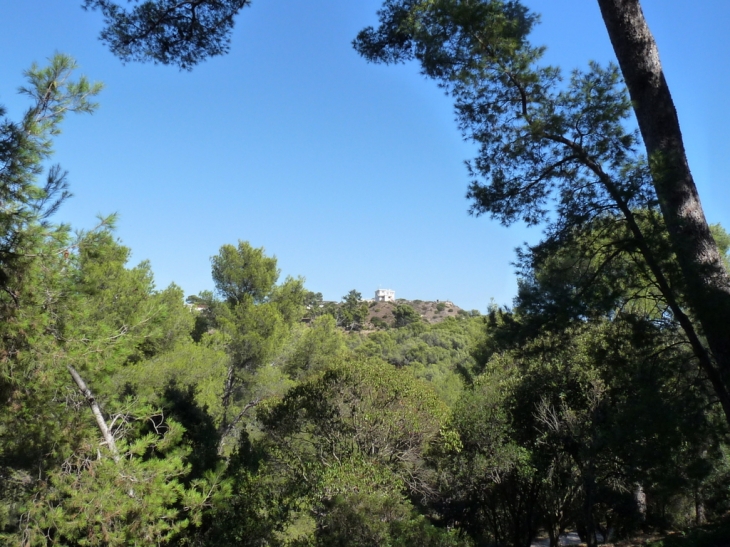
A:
(430, 312)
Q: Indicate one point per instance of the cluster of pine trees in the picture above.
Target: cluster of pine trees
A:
(130, 418)
(251, 416)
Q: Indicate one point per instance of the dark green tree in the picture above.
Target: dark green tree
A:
(562, 431)
(405, 315)
(168, 31)
(314, 302)
(551, 153)
(593, 272)
(244, 272)
(706, 280)
(253, 321)
(319, 346)
(379, 518)
(32, 253)
(350, 441)
(352, 311)
(83, 458)
(488, 487)
(25, 146)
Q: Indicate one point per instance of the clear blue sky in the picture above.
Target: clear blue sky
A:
(351, 174)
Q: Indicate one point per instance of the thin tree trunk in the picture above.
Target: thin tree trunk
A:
(588, 501)
(227, 393)
(227, 428)
(640, 501)
(707, 284)
(108, 437)
(554, 536)
(700, 517)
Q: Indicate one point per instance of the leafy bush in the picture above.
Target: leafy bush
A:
(365, 519)
(405, 315)
(378, 323)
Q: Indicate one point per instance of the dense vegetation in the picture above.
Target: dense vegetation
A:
(259, 415)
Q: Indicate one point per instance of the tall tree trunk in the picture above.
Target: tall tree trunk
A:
(640, 502)
(707, 284)
(589, 489)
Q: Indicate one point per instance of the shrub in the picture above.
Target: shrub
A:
(378, 323)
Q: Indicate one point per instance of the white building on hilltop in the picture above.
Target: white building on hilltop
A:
(384, 295)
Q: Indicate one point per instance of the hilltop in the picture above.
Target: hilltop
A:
(430, 312)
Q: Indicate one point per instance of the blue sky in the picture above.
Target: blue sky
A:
(350, 173)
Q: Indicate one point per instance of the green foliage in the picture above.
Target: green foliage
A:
(722, 239)
(136, 501)
(75, 302)
(378, 518)
(358, 426)
(405, 315)
(488, 476)
(603, 394)
(253, 325)
(439, 353)
(594, 271)
(117, 309)
(101, 317)
(314, 304)
(352, 313)
(318, 347)
(271, 426)
(166, 31)
(25, 234)
(199, 367)
(599, 408)
(560, 154)
(243, 272)
(378, 323)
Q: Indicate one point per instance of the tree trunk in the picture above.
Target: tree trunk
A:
(589, 488)
(707, 284)
(640, 501)
(700, 516)
(96, 411)
(554, 536)
(227, 428)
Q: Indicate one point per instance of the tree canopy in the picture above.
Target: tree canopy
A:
(558, 155)
(259, 415)
(168, 31)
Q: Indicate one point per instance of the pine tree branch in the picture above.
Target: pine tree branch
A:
(96, 410)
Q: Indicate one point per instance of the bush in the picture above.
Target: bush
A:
(378, 323)
(366, 519)
(405, 315)
(714, 535)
